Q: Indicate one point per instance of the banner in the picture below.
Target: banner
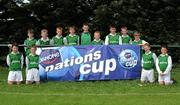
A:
(102, 62)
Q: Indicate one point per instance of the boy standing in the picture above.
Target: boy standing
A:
(97, 40)
(126, 39)
(30, 41)
(72, 39)
(58, 40)
(85, 36)
(44, 38)
(113, 38)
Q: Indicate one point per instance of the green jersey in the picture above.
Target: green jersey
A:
(57, 41)
(43, 42)
(97, 42)
(15, 61)
(137, 43)
(85, 38)
(29, 43)
(126, 39)
(113, 39)
(163, 62)
(72, 40)
(148, 61)
(32, 61)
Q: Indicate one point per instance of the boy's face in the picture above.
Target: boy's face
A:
(113, 30)
(136, 36)
(15, 49)
(30, 35)
(85, 28)
(58, 31)
(44, 34)
(96, 35)
(146, 48)
(33, 50)
(123, 31)
(164, 50)
(71, 31)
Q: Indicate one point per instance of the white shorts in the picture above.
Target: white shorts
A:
(166, 78)
(147, 75)
(32, 75)
(15, 76)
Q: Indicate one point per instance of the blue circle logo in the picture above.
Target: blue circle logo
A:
(128, 59)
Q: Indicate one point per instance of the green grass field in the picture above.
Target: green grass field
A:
(126, 92)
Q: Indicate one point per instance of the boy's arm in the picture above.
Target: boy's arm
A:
(157, 66)
(154, 58)
(22, 61)
(106, 40)
(142, 61)
(8, 60)
(37, 42)
(27, 63)
(52, 42)
(25, 47)
(65, 41)
(78, 41)
(120, 40)
(130, 42)
(169, 67)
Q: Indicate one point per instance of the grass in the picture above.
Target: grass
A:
(125, 92)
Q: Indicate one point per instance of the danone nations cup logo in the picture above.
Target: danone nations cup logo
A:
(128, 59)
(50, 56)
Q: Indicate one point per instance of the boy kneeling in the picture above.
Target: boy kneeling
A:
(32, 62)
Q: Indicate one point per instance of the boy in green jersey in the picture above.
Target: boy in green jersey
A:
(148, 64)
(164, 66)
(44, 38)
(113, 38)
(126, 39)
(32, 63)
(15, 63)
(138, 41)
(30, 41)
(97, 40)
(86, 35)
(72, 39)
(58, 40)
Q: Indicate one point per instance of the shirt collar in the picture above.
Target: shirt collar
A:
(97, 40)
(147, 52)
(15, 53)
(113, 34)
(72, 35)
(30, 39)
(45, 39)
(163, 54)
(58, 36)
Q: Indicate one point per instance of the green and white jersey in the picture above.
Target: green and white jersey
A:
(29, 43)
(97, 42)
(148, 60)
(43, 41)
(15, 61)
(126, 39)
(113, 39)
(164, 63)
(72, 40)
(137, 42)
(32, 61)
(57, 40)
(85, 38)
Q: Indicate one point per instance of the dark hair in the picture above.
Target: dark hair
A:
(112, 26)
(30, 31)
